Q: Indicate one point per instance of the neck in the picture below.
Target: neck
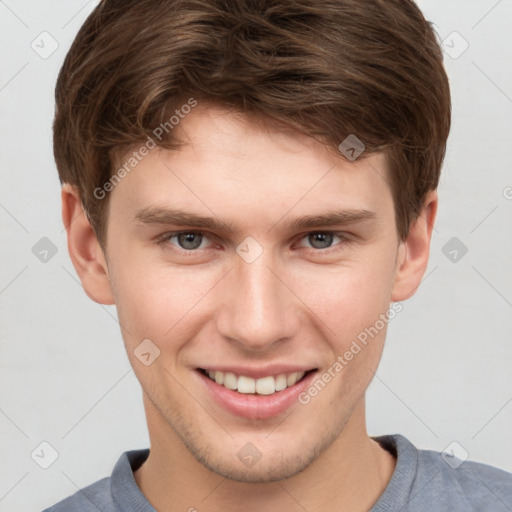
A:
(349, 475)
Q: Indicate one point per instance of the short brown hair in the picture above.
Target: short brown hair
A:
(330, 68)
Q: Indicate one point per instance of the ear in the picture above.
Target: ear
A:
(84, 249)
(413, 252)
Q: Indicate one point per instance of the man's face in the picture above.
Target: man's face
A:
(260, 299)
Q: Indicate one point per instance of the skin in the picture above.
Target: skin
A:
(299, 301)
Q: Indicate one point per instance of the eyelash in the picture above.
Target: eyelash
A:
(166, 237)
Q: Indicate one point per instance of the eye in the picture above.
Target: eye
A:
(192, 241)
(323, 239)
(186, 240)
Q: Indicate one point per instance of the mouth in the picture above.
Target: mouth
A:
(258, 397)
(244, 384)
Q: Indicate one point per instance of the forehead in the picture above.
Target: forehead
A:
(260, 171)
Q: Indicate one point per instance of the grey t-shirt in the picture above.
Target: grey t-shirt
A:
(422, 482)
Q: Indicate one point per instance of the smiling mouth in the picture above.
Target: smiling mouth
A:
(247, 385)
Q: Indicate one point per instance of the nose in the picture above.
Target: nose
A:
(258, 308)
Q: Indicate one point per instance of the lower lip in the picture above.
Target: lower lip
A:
(255, 407)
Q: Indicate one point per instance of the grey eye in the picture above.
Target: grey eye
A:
(321, 240)
(186, 240)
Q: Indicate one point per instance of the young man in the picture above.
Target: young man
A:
(253, 185)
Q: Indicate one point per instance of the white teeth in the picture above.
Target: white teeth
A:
(292, 379)
(245, 384)
(281, 382)
(230, 380)
(264, 386)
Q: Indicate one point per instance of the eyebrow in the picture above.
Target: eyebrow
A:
(174, 217)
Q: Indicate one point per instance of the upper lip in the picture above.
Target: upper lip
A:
(259, 372)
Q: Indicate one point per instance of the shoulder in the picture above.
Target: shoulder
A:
(111, 494)
(92, 498)
(427, 480)
(474, 486)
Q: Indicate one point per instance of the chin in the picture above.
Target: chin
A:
(263, 471)
(272, 463)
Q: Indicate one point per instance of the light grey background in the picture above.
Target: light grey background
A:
(65, 379)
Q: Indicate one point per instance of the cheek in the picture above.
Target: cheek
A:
(154, 301)
(349, 297)
(162, 302)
